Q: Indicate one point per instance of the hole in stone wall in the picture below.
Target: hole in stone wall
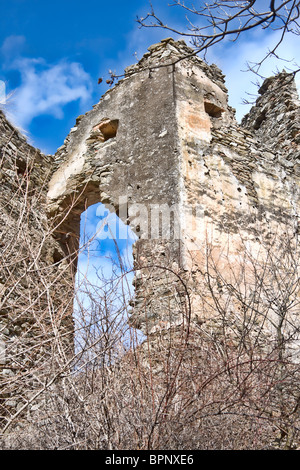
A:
(212, 109)
(103, 287)
(21, 166)
(259, 120)
(105, 130)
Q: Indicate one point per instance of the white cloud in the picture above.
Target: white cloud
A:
(45, 88)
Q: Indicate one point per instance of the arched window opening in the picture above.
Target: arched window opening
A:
(103, 288)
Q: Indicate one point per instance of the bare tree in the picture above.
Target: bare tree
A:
(208, 23)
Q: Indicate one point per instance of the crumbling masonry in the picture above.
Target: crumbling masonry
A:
(163, 140)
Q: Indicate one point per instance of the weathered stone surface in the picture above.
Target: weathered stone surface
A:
(179, 146)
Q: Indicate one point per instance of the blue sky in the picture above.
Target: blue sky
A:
(99, 231)
(52, 53)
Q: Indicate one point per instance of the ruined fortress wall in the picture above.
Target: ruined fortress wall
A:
(244, 182)
(135, 162)
(176, 147)
(163, 139)
(240, 199)
(131, 170)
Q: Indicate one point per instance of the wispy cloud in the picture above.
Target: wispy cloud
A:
(44, 88)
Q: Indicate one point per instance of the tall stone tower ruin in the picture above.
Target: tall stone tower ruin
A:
(164, 150)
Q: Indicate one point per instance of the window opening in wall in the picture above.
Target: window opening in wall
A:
(212, 109)
(103, 288)
(259, 120)
(106, 129)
